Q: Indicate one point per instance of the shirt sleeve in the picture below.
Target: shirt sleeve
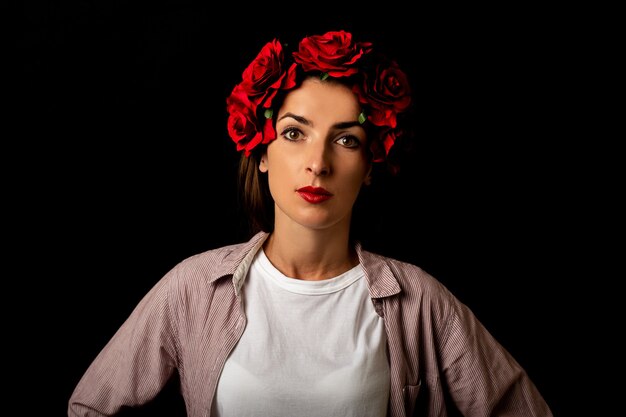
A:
(135, 364)
(483, 378)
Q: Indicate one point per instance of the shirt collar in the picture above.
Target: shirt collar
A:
(237, 261)
(380, 278)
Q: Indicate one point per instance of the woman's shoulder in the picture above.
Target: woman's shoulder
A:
(223, 258)
(214, 255)
(217, 262)
(417, 289)
(410, 277)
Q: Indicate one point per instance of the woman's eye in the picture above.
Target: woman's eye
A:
(292, 134)
(349, 141)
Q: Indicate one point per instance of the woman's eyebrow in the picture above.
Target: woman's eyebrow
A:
(297, 118)
(346, 125)
(307, 122)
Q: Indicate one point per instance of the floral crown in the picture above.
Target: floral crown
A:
(380, 85)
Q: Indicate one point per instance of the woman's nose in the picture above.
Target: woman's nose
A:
(318, 162)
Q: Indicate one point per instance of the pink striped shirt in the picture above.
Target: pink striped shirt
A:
(192, 318)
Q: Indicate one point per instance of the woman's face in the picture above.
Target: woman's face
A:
(321, 145)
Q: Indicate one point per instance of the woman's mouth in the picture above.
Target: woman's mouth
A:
(314, 195)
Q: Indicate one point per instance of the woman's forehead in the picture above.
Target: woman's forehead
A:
(317, 99)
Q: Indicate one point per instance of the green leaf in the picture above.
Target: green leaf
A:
(268, 113)
(323, 76)
(362, 118)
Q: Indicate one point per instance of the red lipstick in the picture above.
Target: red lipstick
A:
(314, 195)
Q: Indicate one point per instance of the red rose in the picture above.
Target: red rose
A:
(380, 148)
(243, 126)
(333, 53)
(387, 93)
(265, 75)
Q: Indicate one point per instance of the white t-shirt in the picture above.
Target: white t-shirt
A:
(310, 348)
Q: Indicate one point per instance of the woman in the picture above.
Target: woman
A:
(301, 320)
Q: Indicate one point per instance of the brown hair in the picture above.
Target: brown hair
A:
(254, 193)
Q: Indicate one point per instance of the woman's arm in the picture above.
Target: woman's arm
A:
(135, 364)
(483, 378)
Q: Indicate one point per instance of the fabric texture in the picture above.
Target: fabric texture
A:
(439, 354)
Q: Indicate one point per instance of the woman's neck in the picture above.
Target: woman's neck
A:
(310, 254)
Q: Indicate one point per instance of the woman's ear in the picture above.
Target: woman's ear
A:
(263, 163)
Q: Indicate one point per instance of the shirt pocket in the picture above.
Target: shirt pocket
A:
(410, 397)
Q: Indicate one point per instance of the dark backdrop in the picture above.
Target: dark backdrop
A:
(140, 172)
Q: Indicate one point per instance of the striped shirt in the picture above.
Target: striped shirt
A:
(440, 355)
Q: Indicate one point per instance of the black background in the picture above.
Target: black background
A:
(139, 171)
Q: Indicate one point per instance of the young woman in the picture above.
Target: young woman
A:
(301, 320)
